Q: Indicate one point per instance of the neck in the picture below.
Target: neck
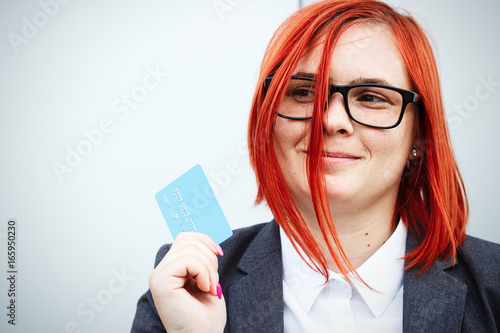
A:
(361, 231)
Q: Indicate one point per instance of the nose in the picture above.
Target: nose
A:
(335, 119)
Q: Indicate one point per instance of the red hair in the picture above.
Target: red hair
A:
(431, 199)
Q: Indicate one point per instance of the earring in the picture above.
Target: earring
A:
(414, 151)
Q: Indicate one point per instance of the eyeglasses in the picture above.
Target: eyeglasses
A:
(372, 105)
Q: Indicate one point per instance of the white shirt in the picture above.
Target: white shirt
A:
(338, 306)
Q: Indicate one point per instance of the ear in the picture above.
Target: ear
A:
(417, 149)
(415, 153)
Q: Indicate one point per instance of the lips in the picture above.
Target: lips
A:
(338, 155)
(337, 158)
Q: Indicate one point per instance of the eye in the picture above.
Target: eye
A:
(370, 97)
(301, 91)
(374, 97)
(303, 94)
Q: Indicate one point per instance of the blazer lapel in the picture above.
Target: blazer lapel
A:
(255, 300)
(433, 301)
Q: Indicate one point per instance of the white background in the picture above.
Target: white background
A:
(101, 219)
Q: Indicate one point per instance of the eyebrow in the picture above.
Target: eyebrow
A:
(359, 80)
(305, 74)
(373, 80)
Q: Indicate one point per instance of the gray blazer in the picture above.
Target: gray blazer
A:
(464, 297)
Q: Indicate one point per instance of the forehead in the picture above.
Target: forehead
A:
(363, 51)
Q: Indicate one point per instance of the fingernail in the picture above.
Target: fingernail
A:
(218, 248)
(210, 286)
(219, 290)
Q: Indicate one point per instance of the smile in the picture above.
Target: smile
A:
(337, 158)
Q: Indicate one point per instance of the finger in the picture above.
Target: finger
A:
(185, 242)
(194, 248)
(173, 276)
(205, 239)
(204, 256)
(196, 244)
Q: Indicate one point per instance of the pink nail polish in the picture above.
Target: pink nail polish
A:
(219, 291)
(218, 248)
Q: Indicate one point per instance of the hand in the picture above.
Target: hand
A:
(184, 286)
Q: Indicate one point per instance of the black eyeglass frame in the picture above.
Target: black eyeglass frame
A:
(408, 97)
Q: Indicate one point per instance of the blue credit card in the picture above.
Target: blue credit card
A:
(188, 204)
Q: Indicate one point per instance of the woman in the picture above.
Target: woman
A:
(350, 146)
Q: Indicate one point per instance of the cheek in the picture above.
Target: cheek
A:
(289, 137)
(289, 141)
(399, 140)
(390, 150)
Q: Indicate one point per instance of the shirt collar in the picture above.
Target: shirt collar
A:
(383, 272)
(304, 283)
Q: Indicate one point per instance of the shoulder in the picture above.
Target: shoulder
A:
(243, 237)
(478, 266)
(479, 247)
(256, 241)
(482, 260)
